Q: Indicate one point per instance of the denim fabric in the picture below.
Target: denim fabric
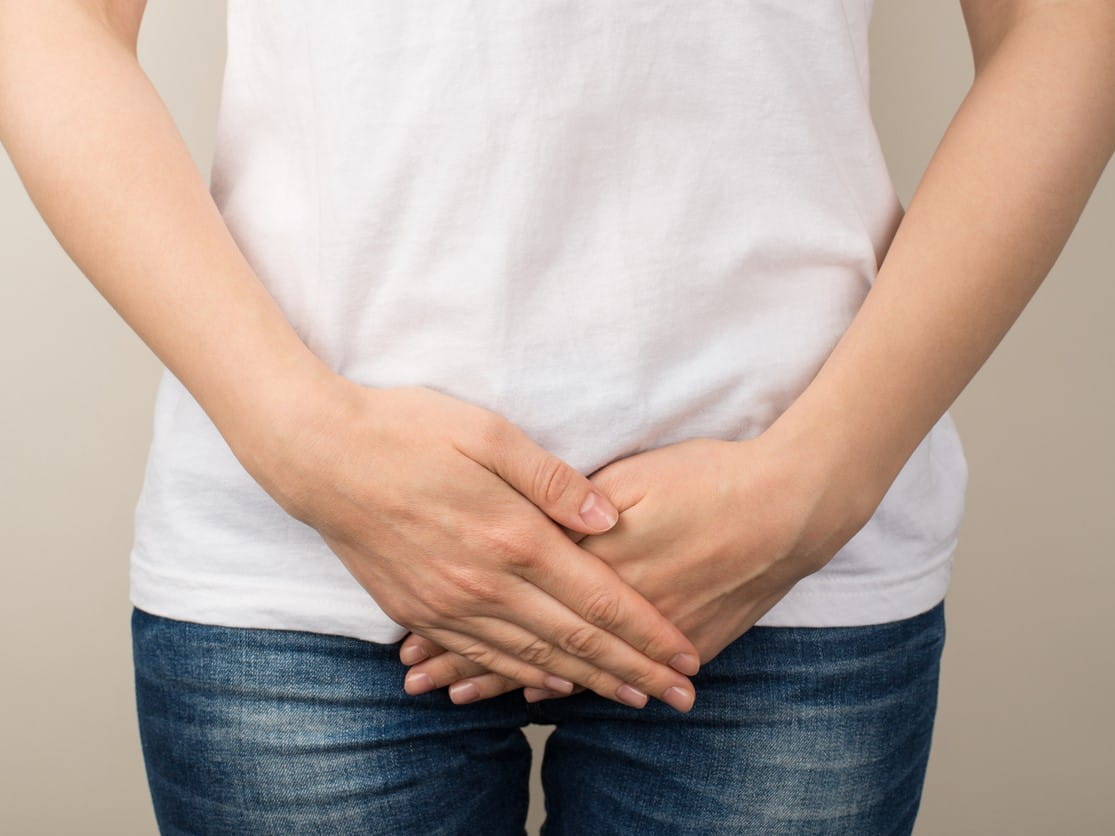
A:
(796, 730)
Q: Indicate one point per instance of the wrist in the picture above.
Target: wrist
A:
(279, 436)
(827, 452)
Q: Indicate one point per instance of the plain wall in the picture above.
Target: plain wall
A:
(1024, 737)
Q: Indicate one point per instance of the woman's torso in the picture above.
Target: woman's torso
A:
(619, 225)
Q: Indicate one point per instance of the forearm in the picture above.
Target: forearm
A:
(991, 214)
(101, 158)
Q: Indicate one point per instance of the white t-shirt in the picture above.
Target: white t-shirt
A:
(617, 224)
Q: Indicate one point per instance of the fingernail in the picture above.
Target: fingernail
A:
(418, 683)
(678, 698)
(413, 655)
(537, 694)
(631, 696)
(685, 663)
(556, 683)
(595, 512)
(463, 692)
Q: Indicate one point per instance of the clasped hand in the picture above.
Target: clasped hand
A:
(451, 518)
(712, 532)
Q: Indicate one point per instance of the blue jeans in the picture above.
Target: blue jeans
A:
(796, 730)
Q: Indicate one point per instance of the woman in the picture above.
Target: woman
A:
(530, 344)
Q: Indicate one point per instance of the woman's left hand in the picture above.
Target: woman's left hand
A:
(712, 532)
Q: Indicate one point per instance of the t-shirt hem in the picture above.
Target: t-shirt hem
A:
(817, 601)
(271, 608)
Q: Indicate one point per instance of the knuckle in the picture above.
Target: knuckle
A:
(491, 430)
(471, 585)
(552, 478)
(603, 610)
(461, 666)
(537, 652)
(645, 681)
(407, 615)
(585, 642)
(513, 547)
(440, 607)
(599, 682)
(479, 653)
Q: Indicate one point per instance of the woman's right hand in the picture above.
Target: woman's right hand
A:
(447, 514)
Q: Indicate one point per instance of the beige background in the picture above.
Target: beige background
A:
(1024, 743)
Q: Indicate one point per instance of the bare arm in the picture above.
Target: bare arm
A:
(442, 510)
(106, 167)
(992, 212)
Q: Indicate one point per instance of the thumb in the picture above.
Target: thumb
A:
(564, 494)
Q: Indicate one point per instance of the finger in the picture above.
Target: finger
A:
(415, 648)
(479, 661)
(563, 494)
(442, 671)
(594, 591)
(449, 668)
(509, 644)
(560, 642)
(537, 694)
(481, 687)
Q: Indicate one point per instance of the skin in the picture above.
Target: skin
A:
(743, 521)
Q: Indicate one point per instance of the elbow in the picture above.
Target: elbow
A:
(120, 19)
(991, 22)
